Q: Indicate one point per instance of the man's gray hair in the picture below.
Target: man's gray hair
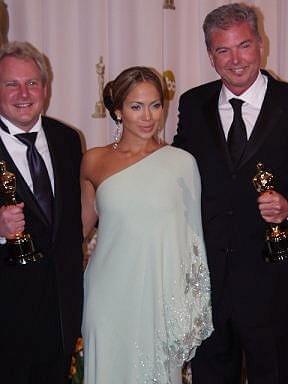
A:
(226, 16)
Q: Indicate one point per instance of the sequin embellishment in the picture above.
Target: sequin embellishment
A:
(186, 318)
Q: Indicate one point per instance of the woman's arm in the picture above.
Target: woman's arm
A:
(88, 194)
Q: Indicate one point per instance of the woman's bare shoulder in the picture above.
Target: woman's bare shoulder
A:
(97, 152)
(95, 155)
(93, 163)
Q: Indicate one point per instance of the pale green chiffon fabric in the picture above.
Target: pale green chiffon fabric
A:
(147, 289)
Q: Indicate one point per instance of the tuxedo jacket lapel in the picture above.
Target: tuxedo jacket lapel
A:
(22, 189)
(213, 122)
(56, 154)
(270, 113)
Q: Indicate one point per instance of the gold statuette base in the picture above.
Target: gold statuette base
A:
(100, 112)
(22, 251)
(277, 244)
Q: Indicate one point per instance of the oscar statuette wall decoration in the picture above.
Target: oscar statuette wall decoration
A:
(4, 23)
(100, 111)
(169, 4)
(276, 237)
(21, 250)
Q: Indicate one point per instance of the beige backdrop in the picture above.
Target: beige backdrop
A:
(75, 33)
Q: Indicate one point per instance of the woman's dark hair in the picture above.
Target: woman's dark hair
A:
(116, 91)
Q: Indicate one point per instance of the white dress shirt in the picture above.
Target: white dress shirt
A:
(253, 99)
(17, 150)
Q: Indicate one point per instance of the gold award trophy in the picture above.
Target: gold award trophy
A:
(21, 250)
(100, 111)
(276, 237)
(169, 4)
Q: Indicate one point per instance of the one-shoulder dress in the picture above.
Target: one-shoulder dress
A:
(147, 289)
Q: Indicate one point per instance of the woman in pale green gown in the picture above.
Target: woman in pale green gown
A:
(147, 288)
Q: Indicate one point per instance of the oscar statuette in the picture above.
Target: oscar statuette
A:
(100, 111)
(21, 250)
(276, 237)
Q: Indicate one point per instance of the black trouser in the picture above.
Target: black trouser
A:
(54, 371)
(219, 359)
(30, 331)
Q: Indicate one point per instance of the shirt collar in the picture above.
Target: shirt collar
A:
(253, 96)
(15, 130)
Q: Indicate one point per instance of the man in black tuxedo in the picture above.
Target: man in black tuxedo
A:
(249, 295)
(40, 299)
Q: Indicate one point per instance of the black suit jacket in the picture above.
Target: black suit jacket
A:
(242, 282)
(24, 289)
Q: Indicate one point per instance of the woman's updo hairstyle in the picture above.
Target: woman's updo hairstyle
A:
(115, 92)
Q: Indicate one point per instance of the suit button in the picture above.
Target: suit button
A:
(230, 213)
(234, 176)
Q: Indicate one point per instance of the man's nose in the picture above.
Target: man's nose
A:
(235, 56)
(23, 89)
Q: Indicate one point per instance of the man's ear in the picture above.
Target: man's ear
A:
(45, 88)
(210, 55)
(261, 45)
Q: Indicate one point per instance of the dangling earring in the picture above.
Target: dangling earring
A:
(118, 133)
(158, 135)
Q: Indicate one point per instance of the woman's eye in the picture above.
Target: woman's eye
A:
(135, 107)
(157, 105)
